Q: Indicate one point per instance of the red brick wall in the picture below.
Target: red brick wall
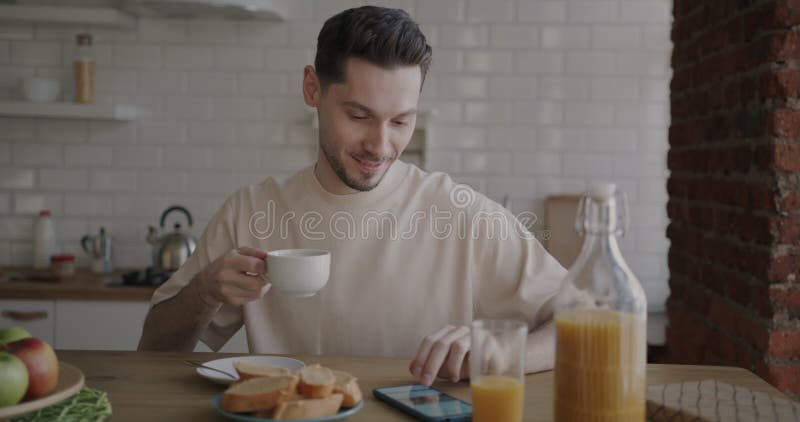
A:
(734, 187)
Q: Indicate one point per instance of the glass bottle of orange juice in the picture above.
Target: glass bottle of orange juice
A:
(600, 314)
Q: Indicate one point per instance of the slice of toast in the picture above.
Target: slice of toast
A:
(249, 370)
(315, 381)
(347, 385)
(308, 408)
(258, 393)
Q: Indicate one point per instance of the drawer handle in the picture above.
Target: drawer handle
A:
(25, 316)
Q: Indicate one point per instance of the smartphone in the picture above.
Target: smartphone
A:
(425, 403)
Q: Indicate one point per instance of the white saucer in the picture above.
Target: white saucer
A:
(226, 365)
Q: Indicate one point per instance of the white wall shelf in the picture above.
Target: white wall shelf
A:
(64, 110)
(105, 16)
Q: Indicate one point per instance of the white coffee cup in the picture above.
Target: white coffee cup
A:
(298, 272)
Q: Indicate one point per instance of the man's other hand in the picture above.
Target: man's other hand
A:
(444, 353)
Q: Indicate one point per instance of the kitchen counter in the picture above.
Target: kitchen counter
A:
(157, 386)
(26, 283)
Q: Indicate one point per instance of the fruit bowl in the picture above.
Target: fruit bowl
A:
(70, 382)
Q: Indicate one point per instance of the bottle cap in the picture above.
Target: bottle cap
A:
(62, 258)
(44, 213)
(84, 39)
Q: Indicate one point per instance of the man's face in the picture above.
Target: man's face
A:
(367, 121)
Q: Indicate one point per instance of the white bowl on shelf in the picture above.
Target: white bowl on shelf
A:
(40, 89)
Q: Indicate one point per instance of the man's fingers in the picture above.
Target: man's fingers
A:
(248, 251)
(454, 365)
(247, 264)
(438, 354)
(425, 349)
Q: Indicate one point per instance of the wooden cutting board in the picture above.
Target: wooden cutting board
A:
(711, 400)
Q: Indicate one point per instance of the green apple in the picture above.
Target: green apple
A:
(9, 334)
(13, 379)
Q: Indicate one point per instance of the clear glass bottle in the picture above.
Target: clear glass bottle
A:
(84, 68)
(601, 317)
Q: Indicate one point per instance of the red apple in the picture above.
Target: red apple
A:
(42, 364)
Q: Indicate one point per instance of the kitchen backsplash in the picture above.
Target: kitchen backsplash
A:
(533, 98)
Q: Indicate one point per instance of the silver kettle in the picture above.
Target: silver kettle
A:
(171, 250)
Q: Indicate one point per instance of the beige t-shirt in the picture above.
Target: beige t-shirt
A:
(445, 255)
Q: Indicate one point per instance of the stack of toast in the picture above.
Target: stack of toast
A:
(274, 392)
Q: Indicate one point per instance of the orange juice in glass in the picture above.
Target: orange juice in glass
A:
(497, 370)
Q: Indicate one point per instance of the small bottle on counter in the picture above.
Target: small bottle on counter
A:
(84, 68)
(62, 265)
(44, 240)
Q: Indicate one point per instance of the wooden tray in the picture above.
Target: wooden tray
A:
(70, 381)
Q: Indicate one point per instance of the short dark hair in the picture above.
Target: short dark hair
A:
(383, 36)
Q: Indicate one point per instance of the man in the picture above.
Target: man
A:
(413, 253)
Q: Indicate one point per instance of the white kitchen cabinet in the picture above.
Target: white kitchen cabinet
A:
(36, 316)
(99, 325)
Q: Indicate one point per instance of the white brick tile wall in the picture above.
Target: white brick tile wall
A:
(257, 33)
(206, 31)
(542, 11)
(16, 228)
(485, 112)
(211, 133)
(161, 132)
(5, 52)
(650, 11)
(621, 37)
(490, 11)
(594, 11)
(238, 58)
(87, 205)
(565, 37)
(540, 62)
(261, 133)
(35, 53)
(488, 163)
(473, 35)
(38, 154)
(537, 164)
(519, 36)
(214, 83)
(512, 87)
(138, 56)
(441, 11)
(63, 131)
(560, 88)
(32, 203)
(17, 129)
(533, 97)
(5, 203)
(137, 156)
(112, 180)
(63, 180)
(263, 83)
(162, 30)
(87, 155)
(186, 107)
(161, 181)
(238, 108)
(186, 157)
(188, 57)
(162, 82)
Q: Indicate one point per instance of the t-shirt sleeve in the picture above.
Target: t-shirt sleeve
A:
(217, 239)
(515, 277)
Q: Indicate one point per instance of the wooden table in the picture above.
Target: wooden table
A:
(155, 386)
(27, 283)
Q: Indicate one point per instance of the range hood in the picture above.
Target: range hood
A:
(230, 9)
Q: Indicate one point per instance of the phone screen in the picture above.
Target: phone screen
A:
(426, 401)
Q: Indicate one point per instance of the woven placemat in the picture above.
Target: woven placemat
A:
(711, 400)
